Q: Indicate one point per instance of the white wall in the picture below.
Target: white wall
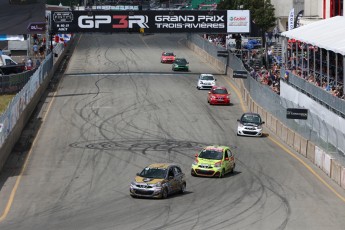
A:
(313, 8)
(323, 115)
(282, 7)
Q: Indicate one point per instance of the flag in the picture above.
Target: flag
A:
(291, 19)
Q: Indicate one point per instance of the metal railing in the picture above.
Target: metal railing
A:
(326, 99)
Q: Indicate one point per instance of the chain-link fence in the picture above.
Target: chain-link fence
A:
(18, 104)
(314, 128)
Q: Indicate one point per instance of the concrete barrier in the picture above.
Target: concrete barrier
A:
(304, 146)
(284, 135)
(336, 171)
(319, 156)
(327, 164)
(342, 178)
(279, 129)
(274, 124)
(311, 151)
(290, 137)
(297, 142)
(253, 110)
(268, 120)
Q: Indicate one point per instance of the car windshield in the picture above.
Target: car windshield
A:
(207, 78)
(219, 91)
(251, 118)
(158, 173)
(181, 61)
(211, 154)
(168, 54)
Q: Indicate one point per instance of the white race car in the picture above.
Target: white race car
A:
(206, 81)
(250, 124)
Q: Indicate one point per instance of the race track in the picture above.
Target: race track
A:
(118, 109)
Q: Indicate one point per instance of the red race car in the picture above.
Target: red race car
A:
(218, 95)
(168, 57)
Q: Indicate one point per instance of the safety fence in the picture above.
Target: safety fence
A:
(14, 82)
(19, 103)
(9, 118)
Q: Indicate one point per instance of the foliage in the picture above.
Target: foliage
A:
(5, 101)
(261, 11)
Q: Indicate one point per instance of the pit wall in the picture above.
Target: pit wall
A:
(303, 146)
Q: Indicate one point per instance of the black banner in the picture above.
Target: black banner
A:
(177, 21)
(292, 113)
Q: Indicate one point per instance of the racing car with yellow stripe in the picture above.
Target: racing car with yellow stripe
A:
(213, 161)
(158, 181)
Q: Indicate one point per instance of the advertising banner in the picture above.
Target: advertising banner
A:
(186, 21)
(238, 21)
(291, 19)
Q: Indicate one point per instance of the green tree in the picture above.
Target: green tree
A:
(261, 11)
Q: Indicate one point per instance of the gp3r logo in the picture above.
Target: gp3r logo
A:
(127, 21)
(121, 21)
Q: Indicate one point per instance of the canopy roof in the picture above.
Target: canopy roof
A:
(328, 34)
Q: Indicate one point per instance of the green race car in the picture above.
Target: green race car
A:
(180, 64)
(213, 161)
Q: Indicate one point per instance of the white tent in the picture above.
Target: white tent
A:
(328, 34)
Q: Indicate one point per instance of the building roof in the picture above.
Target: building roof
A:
(328, 34)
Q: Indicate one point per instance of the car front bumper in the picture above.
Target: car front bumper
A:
(220, 102)
(185, 68)
(167, 60)
(213, 172)
(249, 131)
(205, 86)
(136, 191)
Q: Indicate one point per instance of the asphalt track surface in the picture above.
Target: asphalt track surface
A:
(15, 18)
(101, 129)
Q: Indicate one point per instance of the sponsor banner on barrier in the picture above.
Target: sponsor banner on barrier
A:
(160, 21)
(319, 155)
(326, 164)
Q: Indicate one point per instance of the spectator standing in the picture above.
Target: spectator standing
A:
(29, 64)
(35, 49)
(41, 51)
(38, 63)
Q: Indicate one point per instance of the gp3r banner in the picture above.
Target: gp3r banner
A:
(189, 21)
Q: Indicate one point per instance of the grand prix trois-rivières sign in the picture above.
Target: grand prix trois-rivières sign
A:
(178, 21)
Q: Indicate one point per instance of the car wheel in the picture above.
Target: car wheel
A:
(198, 87)
(222, 173)
(164, 193)
(183, 188)
(233, 168)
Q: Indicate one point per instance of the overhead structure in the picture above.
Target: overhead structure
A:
(328, 34)
(154, 21)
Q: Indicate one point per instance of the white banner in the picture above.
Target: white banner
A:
(238, 21)
(291, 19)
